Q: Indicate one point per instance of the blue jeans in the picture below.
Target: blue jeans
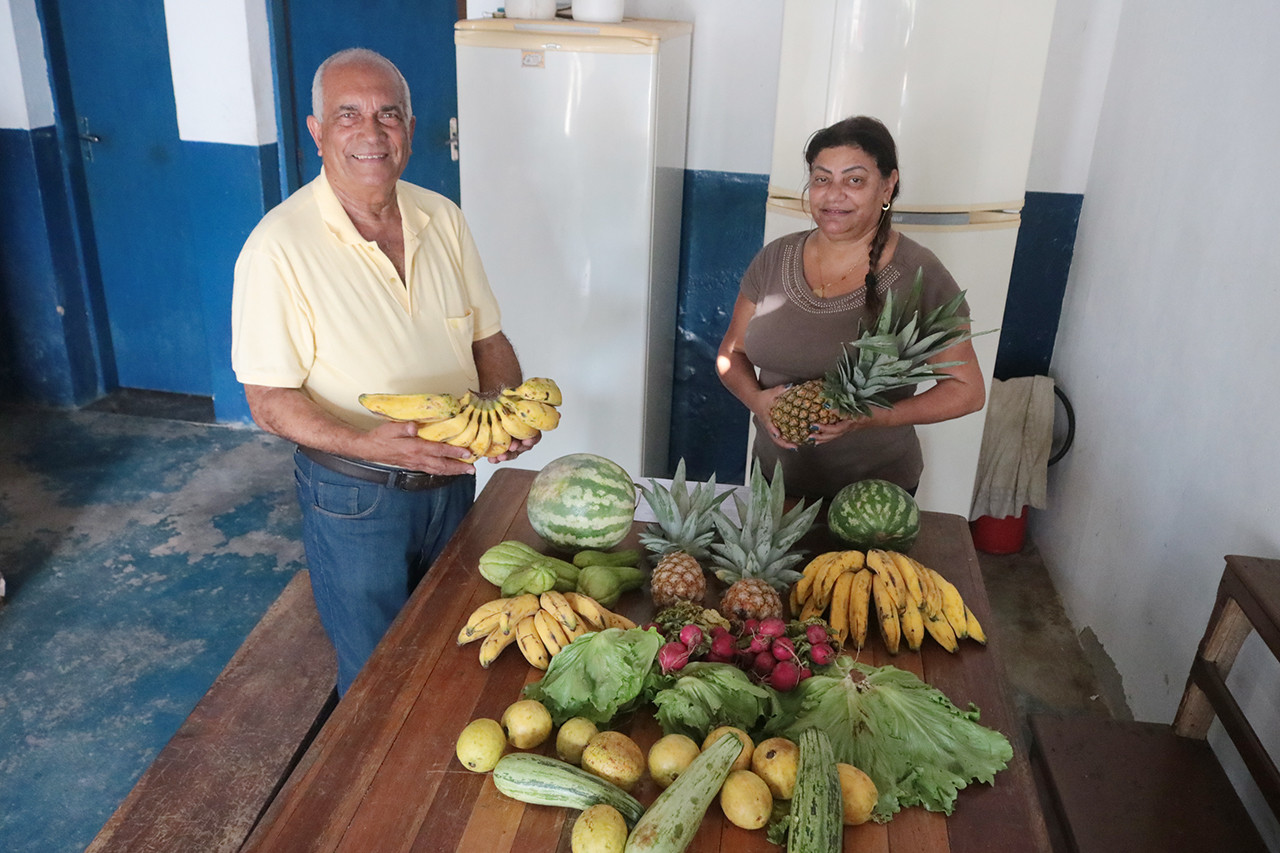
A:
(367, 547)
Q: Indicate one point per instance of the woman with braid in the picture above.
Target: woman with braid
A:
(806, 294)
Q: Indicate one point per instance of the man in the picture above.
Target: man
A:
(362, 283)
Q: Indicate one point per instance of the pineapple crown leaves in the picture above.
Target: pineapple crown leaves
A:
(895, 351)
(759, 546)
(684, 516)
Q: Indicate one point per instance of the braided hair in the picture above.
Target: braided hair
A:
(870, 135)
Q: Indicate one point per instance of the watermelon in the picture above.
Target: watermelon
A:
(582, 501)
(874, 514)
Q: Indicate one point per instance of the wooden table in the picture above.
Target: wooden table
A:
(382, 776)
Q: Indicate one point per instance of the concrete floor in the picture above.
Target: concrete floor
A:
(138, 553)
(1052, 667)
(141, 550)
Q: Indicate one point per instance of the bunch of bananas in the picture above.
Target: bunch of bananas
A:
(910, 599)
(483, 423)
(541, 625)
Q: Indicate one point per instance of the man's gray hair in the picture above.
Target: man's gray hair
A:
(356, 56)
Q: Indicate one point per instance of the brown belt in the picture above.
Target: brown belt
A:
(392, 478)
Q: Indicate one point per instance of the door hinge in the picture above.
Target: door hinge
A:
(453, 139)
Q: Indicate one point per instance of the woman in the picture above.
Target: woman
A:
(806, 294)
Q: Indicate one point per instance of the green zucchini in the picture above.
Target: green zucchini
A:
(629, 558)
(673, 819)
(544, 781)
(817, 816)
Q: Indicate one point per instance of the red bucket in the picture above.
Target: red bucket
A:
(999, 535)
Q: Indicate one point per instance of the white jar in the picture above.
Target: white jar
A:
(602, 11)
(533, 9)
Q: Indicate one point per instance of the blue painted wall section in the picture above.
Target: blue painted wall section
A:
(1037, 283)
(721, 231)
(47, 350)
(420, 43)
(230, 188)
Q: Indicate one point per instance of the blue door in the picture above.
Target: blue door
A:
(121, 89)
(417, 35)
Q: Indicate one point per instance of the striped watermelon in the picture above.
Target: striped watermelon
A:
(874, 514)
(582, 501)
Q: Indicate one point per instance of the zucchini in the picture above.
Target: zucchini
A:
(544, 781)
(673, 819)
(629, 558)
(817, 814)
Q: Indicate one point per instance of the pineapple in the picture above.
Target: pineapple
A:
(683, 531)
(677, 577)
(750, 598)
(894, 353)
(800, 407)
(754, 557)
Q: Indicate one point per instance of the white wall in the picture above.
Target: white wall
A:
(1075, 78)
(1168, 345)
(26, 100)
(733, 76)
(736, 46)
(235, 106)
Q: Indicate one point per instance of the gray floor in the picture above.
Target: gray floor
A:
(139, 551)
(1050, 666)
(137, 554)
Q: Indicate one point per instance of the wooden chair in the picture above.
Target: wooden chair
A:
(215, 777)
(1153, 788)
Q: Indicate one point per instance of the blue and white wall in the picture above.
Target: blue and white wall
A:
(48, 350)
(220, 51)
(54, 348)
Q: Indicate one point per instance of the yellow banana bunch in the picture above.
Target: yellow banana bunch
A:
(484, 423)
(539, 625)
(910, 600)
(412, 407)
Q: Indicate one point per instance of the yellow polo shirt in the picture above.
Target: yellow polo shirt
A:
(316, 306)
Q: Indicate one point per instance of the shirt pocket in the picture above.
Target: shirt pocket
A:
(461, 334)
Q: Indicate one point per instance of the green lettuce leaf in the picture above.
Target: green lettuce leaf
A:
(597, 675)
(704, 695)
(918, 747)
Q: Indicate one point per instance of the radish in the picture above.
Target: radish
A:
(772, 627)
(763, 664)
(784, 677)
(691, 636)
(673, 656)
(783, 649)
(822, 654)
(816, 634)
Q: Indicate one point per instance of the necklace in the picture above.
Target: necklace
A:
(822, 291)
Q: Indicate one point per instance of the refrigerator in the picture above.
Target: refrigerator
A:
(958, 85)
(571, 153)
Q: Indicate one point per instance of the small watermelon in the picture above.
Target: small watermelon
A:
(874, 514)
(582, 501)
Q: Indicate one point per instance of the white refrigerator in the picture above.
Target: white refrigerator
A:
(958, 85)
(571, 144)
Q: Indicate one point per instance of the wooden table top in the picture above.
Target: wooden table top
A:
(382, 776)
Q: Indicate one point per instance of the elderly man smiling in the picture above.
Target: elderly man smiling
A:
(360, 282)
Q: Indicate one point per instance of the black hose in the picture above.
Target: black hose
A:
(1071, 425)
